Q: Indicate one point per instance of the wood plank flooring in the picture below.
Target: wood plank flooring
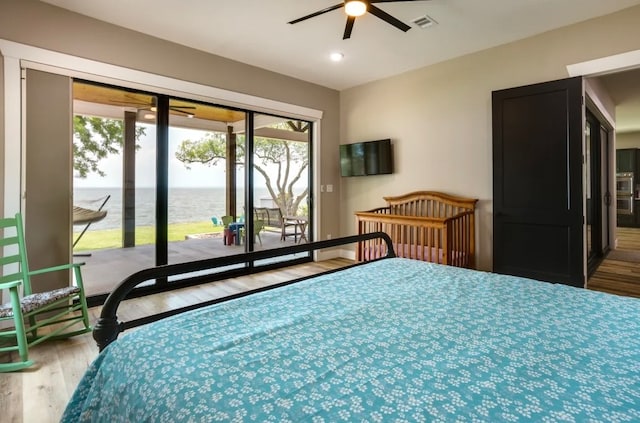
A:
(40, 393)
(619, 273)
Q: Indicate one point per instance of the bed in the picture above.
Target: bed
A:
(424, 225)
(392, 339)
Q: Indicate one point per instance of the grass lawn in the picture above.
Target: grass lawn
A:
(112, 238)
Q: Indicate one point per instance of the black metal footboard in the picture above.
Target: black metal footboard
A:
(108, 327)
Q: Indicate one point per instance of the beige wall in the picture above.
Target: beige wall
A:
(439, 117)
(628, 140)
(38, 24)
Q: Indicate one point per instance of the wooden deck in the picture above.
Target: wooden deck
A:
(104, 269)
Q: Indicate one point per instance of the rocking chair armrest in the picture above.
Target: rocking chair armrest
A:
(9, 285)
(55, 268)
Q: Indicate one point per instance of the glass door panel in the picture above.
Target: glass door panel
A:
(281, 181)
(205, 186)
(114, 173)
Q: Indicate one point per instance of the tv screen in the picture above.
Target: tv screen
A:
(366, 158)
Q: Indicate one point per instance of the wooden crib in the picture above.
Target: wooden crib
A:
(424, 225)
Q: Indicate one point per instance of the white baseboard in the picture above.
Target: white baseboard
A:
(336, 253)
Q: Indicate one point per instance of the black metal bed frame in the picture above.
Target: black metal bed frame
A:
(108, 327)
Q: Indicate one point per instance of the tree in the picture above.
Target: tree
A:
(94, 139)
(290, 159)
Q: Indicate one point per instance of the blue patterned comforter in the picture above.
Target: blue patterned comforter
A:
(395, 340)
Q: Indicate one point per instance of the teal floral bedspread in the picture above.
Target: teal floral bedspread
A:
(395, 340)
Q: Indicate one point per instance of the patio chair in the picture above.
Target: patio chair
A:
(36, 317)
(258, 225)
(228, 234)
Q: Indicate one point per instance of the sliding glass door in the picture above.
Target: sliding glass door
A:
(179, 180)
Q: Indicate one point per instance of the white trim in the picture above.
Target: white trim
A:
(64, 64)
(17, 56)
(604, 65)
(316, 200)
(592, 96)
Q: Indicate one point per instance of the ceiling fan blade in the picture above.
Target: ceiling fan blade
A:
(388, 18)
(392, 1)
(319, 12)
(349, 27)
(173, 109)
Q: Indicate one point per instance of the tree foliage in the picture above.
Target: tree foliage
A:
(94, 139)
(289, 159)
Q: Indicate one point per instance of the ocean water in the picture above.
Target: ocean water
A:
(185, 204)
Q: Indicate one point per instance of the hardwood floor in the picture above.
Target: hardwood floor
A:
(619, 273)
(40, 393)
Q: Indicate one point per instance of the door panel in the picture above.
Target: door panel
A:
(281, 182)
(537, 164)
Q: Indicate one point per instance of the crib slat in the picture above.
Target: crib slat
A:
(423, 225)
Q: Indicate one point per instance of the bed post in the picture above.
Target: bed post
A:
(106, 330)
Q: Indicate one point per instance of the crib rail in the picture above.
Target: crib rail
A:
(426, 226)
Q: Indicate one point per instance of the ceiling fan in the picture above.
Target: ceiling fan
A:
(151, 106)
(355, 8)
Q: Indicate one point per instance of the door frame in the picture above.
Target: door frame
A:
(607, 175)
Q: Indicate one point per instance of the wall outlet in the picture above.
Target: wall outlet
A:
(329, 188)
(328, 236)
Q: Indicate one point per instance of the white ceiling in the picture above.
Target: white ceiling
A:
(256, 32)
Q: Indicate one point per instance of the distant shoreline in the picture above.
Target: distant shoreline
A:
(185, 204)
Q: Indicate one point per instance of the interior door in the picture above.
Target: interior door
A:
(537, 181)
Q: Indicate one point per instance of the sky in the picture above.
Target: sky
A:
(198, 175)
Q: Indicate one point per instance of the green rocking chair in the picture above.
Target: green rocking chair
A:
(36, 317)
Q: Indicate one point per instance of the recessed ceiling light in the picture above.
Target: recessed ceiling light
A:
(336, 57)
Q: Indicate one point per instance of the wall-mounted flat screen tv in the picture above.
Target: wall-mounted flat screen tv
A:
(366, 158)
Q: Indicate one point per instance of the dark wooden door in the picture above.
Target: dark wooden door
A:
(537, 181)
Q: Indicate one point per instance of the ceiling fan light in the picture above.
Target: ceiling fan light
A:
(355, 8)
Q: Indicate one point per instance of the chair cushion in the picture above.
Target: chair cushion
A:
(40, 299)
